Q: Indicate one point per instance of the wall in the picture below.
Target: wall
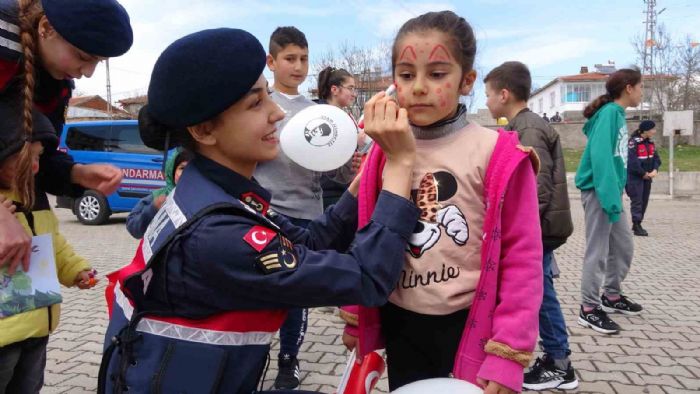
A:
(572, 137)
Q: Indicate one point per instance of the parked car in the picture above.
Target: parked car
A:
(117, 143)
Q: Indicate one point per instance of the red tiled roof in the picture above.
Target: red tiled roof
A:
(134, 100)
(94, 102)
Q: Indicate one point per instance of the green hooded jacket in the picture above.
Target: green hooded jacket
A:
(603, 166)
(169, 176)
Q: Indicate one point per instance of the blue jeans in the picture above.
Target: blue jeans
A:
(294, 327)
(555, 339)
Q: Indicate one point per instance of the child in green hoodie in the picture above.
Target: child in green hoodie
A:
(601, 177)
(145, 210)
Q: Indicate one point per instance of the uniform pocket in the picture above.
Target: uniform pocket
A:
(188, 367)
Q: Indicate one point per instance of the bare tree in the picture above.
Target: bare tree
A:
(674, 80)
(369, 65)
(687, 65)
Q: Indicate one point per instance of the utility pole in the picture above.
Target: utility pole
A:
(649, 45)
(109, 92)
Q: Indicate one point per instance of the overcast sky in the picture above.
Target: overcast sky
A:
(553, 37)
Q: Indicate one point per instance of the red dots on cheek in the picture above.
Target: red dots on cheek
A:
(438, 90)
(448, 85)
(401, 99)
(399, 89)
(443, 103)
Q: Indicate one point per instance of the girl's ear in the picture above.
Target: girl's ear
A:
(334, 90)
(467, 83)
(44, 28)
(270, 62)
(202, 133)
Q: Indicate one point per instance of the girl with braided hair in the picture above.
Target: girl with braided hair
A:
(44, 45)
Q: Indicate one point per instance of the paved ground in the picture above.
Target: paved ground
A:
(658, 352)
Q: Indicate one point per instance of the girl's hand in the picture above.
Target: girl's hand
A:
(387, 125)
(349, 341)
(356, 162)
(15, 243)
(86, 279)
(8, 204)
(101, 177)
(492, 387)
(158, 202)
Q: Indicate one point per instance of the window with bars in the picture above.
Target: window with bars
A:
(581, 92)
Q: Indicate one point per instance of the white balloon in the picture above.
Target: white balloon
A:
(319, 138)
(439, 385)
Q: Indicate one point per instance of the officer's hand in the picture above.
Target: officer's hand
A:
(101, 177)
(15, 243)
(387, 125)
(349, 341)
(647, 176)
(653, 174)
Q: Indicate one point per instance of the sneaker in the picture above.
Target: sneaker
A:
(545, 375)
(288, 375)
(624, 305)
(598, 320)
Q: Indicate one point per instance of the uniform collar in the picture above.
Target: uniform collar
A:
(234, 184)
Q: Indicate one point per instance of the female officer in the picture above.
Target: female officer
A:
(197, 308)
(642, 167)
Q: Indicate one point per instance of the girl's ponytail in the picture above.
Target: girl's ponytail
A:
(595, 105)
(324, 88)
(29, 14)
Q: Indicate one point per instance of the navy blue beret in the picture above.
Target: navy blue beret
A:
(202, 74)
(98, 27)
(646, 125)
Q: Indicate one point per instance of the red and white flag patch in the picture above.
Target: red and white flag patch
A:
(259, 237)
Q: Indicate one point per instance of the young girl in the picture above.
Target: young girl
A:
(469, 294)
(336, 86)
(601, 177)
(45, 45)
(23, 336)
(141, 216)
(642, 167)
(217, 269)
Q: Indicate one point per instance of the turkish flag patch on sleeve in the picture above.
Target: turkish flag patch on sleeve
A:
(259, 237)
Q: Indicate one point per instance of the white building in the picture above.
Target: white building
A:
(570, 94)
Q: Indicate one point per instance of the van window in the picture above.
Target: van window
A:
(126, 139)
(107, 138)
(92, 138)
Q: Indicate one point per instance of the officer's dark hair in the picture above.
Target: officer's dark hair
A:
(286, 35)
(616, 84)
(329, 77)
(460, 36)
(512, 76)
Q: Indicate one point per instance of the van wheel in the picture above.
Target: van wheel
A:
(92, 208)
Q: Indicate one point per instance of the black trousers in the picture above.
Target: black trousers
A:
(22, 366)
(638, 189)
(420, 346)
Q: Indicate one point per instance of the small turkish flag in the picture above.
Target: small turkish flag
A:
(258, 237)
